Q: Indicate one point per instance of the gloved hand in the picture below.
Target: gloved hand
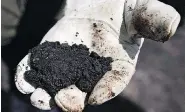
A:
(111, 28)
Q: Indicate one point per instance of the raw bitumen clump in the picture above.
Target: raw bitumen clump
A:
(55, 66)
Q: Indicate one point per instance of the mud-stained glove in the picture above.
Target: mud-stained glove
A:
(111, 28)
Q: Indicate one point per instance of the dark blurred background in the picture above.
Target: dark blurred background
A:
(157, 86)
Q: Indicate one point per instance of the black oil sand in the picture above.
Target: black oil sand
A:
(55, 66)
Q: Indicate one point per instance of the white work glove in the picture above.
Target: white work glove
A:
(111, 28)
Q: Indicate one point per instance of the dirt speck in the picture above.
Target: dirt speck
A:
(76, 34)
(112, 94)
(93, 44)
(94, 25)
(130, 8)
(40, 101)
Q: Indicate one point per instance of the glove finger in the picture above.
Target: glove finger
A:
(41, 99)
(22, 85)
(70, 99)
(112, 83)
(151, 19)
